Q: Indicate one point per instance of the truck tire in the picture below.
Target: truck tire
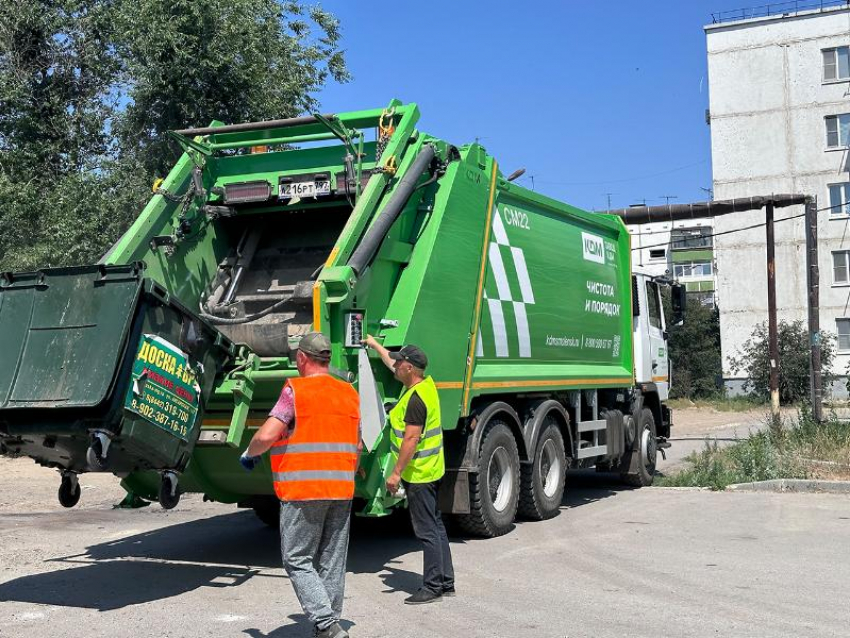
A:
(494, 490)
(647, 450)
(268, 511)
(542, 480)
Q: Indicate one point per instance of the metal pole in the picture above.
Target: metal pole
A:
(253, 126)
(700, 210)
(771, 316)
(813, 279)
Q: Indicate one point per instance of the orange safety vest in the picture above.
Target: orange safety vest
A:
(319, 460)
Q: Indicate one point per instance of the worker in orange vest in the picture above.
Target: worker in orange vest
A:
(313, 433)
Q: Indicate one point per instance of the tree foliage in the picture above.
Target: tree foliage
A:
(89, 87)
(187, 62)
(794, 351)
(694, 351)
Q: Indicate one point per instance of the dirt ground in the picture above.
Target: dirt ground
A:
(694, 427)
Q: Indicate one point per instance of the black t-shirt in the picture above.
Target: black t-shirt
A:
(416, 413)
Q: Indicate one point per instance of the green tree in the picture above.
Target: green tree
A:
(188, 62)
(694, 350)
(56, 98)
(794, 375)
(57, 104)
(89, 87)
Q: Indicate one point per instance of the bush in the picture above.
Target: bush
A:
(794, 351)
(803, 449)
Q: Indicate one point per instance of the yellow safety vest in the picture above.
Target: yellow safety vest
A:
(428, 463)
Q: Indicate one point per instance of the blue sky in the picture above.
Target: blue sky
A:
(590, 97)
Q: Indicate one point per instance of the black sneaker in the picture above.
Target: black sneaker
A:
(334, 631)
(422, 597)
(449, 592)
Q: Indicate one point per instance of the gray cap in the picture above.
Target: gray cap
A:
(413, 354)
(316, 345)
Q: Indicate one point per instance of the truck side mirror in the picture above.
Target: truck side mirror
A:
(679, 301)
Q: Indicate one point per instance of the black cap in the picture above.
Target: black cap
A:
(316, 345)
(413, 354)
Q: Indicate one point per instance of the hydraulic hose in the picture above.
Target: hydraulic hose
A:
(224, 321)
(365, 252)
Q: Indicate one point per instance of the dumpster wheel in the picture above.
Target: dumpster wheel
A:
(97, 454)
(169, 491)
(69, 490)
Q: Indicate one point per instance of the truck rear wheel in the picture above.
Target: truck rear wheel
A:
(494, 490)
(647, 451)
(542, 480)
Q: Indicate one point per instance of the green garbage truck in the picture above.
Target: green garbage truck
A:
(158, 363)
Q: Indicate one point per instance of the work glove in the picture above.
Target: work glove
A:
(248, 462)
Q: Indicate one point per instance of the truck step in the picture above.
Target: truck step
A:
(592, 426)
(596, 450)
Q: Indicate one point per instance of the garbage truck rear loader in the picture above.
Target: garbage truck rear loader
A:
(159, 363)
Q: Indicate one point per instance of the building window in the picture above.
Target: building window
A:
(842, 327)
(836, 64)
(692, 269)
(837, 130)
(839, 199)
(691, 238)
(658, 253)
(841, 267)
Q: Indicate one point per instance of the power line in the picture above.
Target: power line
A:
(627, 179)
(729, 232)
(743, 228)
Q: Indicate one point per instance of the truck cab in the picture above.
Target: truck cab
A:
(653, 371)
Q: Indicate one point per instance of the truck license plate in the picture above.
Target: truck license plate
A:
(288, 190)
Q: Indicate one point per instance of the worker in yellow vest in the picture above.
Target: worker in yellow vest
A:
(416, 437)
(313, 433)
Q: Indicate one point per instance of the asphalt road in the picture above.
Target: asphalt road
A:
(615, 562)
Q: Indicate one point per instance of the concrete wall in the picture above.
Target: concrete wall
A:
(767, 103)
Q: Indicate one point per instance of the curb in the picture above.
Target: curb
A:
(793, 485)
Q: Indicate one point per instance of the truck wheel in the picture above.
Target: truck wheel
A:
(542, 480)
(494, 490)
(647, 451)
(69, 492)
(268, 511)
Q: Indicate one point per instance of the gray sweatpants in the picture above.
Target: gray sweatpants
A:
(314, 545)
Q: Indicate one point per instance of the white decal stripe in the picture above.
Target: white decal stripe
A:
(498, 269)
(523, 334)
(499, 229)
(522, 275)
(498, 320)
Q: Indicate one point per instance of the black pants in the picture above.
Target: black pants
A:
(439, 574)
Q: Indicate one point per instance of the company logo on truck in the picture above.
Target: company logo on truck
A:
(593, 247)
